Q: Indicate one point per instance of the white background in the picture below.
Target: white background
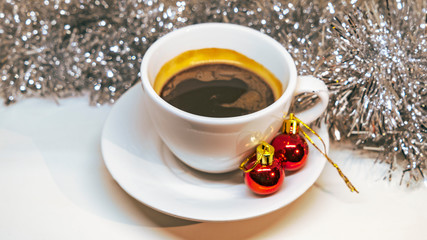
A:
(54, 185)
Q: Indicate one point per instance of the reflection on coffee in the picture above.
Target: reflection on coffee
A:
(217, 90)
(216, 82)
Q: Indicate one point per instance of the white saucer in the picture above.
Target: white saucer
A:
(145, 168)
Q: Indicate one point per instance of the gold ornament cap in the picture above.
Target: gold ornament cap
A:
(291, 125)
(265, 153)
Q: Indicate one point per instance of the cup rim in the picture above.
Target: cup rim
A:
(286, 95)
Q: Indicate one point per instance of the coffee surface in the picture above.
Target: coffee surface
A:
(217, 90)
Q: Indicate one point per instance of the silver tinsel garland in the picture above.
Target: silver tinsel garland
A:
(378, 82)
(372, 55)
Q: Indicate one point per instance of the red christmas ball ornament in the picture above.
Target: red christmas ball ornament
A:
(265, 176)
(291, 149)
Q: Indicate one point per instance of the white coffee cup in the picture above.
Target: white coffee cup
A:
(218, 145)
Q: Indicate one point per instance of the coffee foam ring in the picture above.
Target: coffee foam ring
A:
(197, 57)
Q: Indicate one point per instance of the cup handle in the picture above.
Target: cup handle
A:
(310, 84)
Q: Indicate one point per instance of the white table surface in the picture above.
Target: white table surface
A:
(54, 185)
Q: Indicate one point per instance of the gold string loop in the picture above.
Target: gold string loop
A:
(243, 164)
(346, 180)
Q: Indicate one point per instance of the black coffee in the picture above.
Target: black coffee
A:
(217, 90)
